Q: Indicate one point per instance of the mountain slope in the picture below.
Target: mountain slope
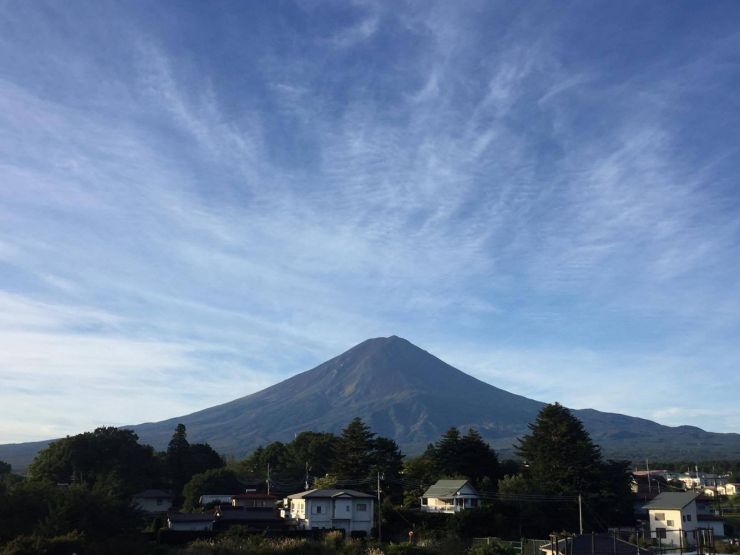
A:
(398, 389)
(405, 393)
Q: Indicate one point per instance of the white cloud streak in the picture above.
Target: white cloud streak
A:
(477, 189)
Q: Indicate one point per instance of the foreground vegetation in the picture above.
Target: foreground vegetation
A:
(76, 497)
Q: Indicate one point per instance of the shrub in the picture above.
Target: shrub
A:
(495, 547)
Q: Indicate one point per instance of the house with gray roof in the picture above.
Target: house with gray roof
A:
(153, 501)
(673, 518)
(450, 496)
(345, 509)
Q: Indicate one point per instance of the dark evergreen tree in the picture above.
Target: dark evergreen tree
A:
(310, 454)
(420, 472)
(177, 459)
(446, 452)
(467, 456)
(387, 462)
(477, 461)
(560, 458)
(354, 451)
(559, 455)
(202, 457)
(217, 481)
(5, 468)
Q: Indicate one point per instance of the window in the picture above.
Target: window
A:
(317, 509)
(688, 518)
(660, 533)
(362, 507)
(669, 522)
(659, 516)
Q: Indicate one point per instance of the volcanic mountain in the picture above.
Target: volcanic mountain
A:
(407, 394)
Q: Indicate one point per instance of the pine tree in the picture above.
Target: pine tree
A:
(476, 460)
(353, 455)
(177, 458)
(559, 455)
(447, 451)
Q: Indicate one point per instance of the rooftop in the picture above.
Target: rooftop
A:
(329, 493)
(446, 488)
(672, 500)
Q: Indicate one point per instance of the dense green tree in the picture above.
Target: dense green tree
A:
(177, 458)
(216, 481)
(559, 455)
(5, 468)
(477, 461)
(467, 456)
(109, 455)
(310, 453)
(354, 451)
(23, 506)
(419, 473)
(90, 511)
(183, 460)
(273, 455)
(614, 497)
(387, 462)
(203, 457)
(561, 459)
(446, 452)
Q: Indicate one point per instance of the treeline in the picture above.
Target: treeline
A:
(79, 488)
(77, 495)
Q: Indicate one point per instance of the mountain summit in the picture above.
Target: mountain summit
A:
(400, 390)
(407, 394)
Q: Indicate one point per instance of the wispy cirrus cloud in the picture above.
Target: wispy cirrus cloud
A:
(219, 206)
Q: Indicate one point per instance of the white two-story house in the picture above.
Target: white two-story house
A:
(345, 509)
(674, 518)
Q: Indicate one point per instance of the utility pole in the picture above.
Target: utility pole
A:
(268, 478)
(580, 514)
(647, 467)
(380, 524)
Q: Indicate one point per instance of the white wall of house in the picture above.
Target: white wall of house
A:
(670, 526)
(465, 498)
(347, 513)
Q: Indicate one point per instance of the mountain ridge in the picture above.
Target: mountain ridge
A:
(406, 393)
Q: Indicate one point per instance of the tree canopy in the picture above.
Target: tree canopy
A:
(561, 459)
(559, 454)
(467, 456)
(107, 455)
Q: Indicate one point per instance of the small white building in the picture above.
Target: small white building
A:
(728, 489)
(345, 509)
(673, 518)
(153, 501)
(450, 496)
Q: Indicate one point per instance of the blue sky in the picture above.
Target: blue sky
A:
(199, 199)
